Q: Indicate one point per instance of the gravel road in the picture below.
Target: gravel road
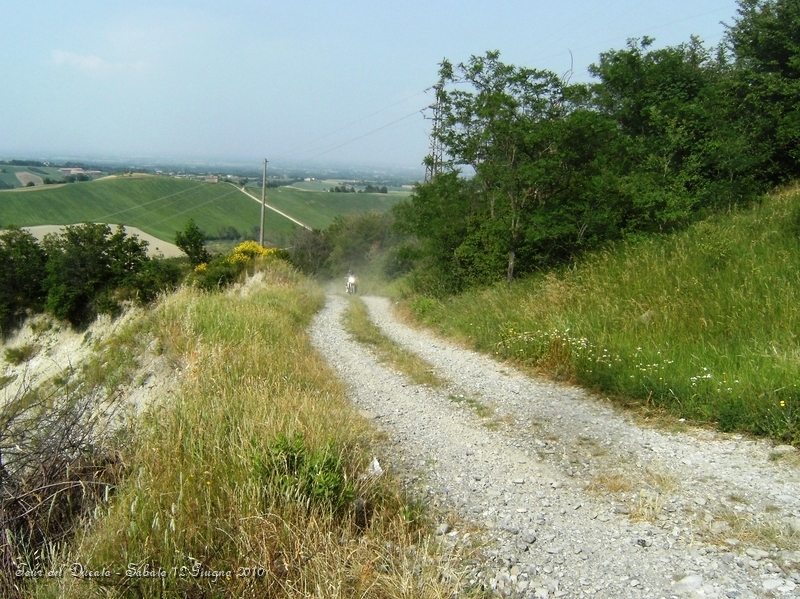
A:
(570, 497)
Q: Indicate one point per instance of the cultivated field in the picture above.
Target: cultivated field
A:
(326, 184)
(160, 206)
(318, 209)
(157, 205)
(12, 177)
(27, 178)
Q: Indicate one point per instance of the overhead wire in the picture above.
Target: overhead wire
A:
(182, 212)
(296, 150)
(106, 216)
(368, 133)
(640, 33)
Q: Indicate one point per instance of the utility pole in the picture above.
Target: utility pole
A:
(263, 203)
(433, 161)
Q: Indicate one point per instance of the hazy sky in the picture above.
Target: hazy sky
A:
(300, 81)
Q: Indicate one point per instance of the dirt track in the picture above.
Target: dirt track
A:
(571, 497)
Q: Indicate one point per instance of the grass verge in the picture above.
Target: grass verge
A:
(249, 482)
(701, 324)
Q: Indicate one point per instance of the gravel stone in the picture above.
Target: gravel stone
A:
(563, 442)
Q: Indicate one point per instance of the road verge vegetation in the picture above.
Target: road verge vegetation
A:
(700, 324)
(254, 480)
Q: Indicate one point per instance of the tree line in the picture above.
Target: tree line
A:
(659, 139)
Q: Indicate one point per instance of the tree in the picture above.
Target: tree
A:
(765, 88)
(437, 216)
(192, 241)
(353, 238)
(309, 250)
(21, 277)
(678, 150)
(85, 264)
(508, 128)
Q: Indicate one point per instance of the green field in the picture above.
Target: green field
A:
(326, 184)
(318, 209)
(314, 185)
(162, 205)
(157, 205)
(8, 174)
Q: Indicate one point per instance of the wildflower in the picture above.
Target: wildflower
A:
(783, 404)
(250, 249)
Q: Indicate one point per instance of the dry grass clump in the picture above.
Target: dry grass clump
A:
(609, 482)
(251, 482)
(751, 530)
(654, 490)
(658, 487)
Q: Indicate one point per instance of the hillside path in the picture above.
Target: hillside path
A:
(570, 497)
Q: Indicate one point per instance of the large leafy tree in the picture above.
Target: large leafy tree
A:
(499, 125)
(765, 89)
(536, 149)
(676, 152)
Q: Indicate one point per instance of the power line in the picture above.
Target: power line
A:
(366, 134)
(296, 149)
(106, 216)
(640, 33)
(163, 220)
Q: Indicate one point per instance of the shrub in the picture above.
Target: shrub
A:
(217, 273)
(85, 264)
(312, 478)
(23, 353)
(156, 276)
(21, 277)
(192, 241)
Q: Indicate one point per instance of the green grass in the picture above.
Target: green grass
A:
(157, 205)
(318, 209)
(8, 177)
(358, 323)
(702, 324)
(253, 463)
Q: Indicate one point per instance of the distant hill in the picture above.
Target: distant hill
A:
(162, 205)
(14, 176)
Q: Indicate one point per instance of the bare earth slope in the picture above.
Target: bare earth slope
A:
(574, 499)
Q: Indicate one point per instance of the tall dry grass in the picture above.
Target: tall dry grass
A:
(249, 483)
